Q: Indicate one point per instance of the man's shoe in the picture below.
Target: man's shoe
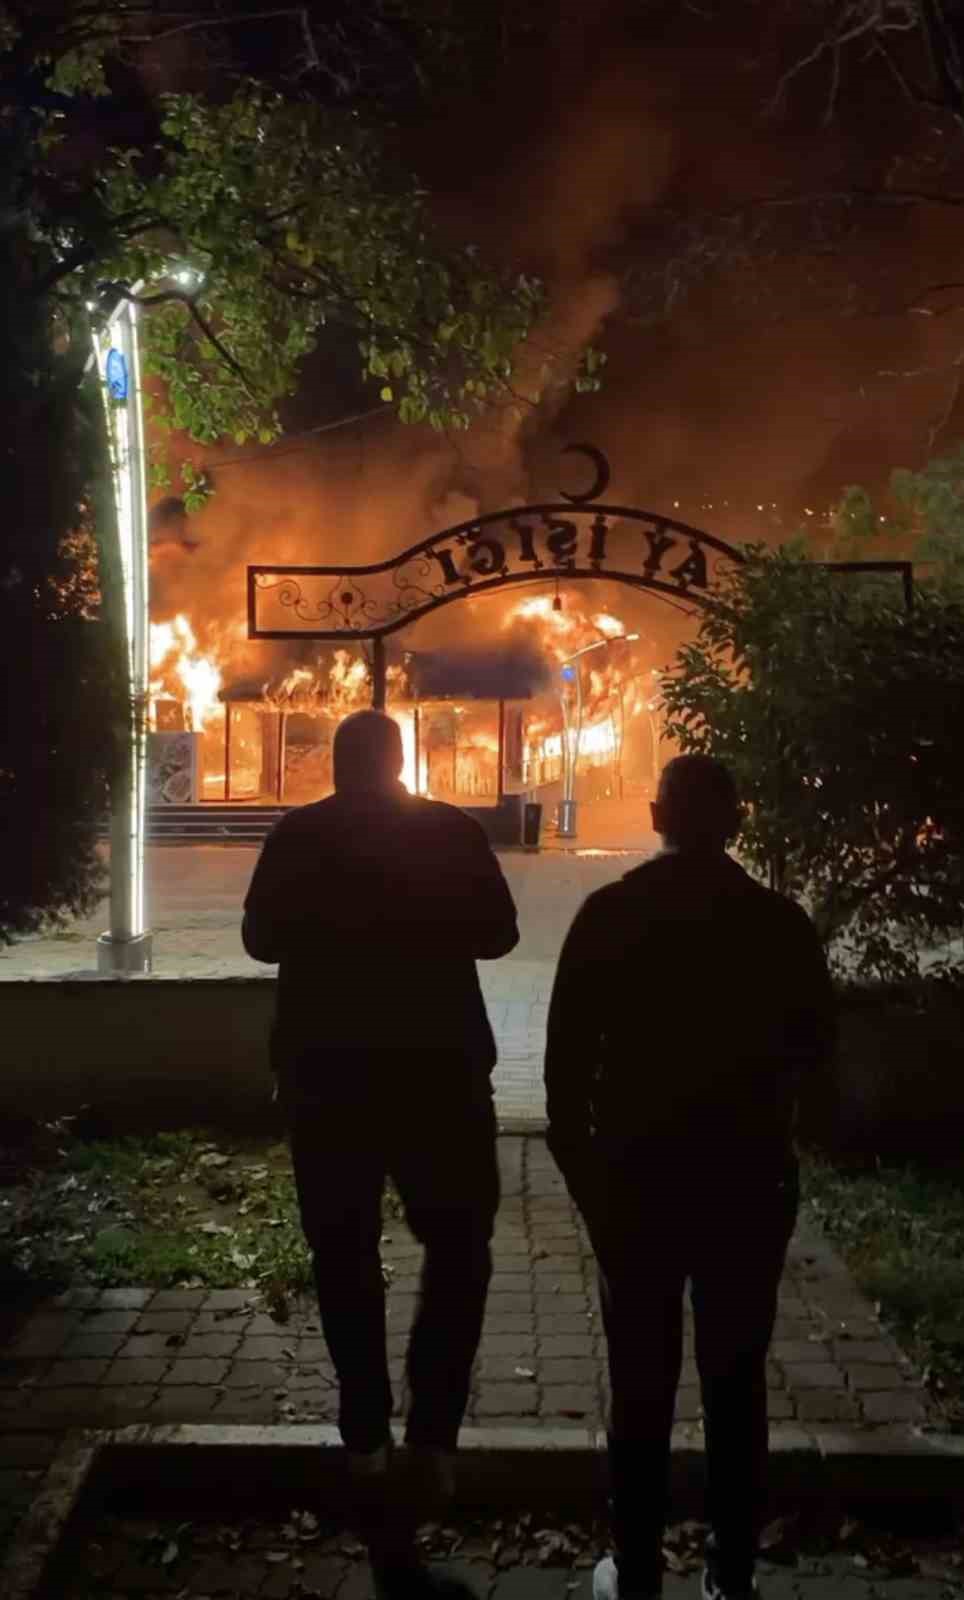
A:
(710, 1589)
(606, 1585)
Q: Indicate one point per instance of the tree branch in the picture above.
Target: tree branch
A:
(130, 224)
(944, 56)
(167, 296)
(199, 23)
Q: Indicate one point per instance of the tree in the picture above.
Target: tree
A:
(839, 715)
(253, 214)
(841, 197)
(65, 691)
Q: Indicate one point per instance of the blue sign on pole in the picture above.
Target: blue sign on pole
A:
(569, 673)
(117, 374)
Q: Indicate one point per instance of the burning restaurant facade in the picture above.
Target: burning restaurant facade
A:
(542, 708)
(480, 734)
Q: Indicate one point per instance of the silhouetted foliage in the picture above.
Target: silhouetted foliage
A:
(840, 716)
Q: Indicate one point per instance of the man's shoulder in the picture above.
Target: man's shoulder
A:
(785, 920)
(303, 819)
(602, 904)
(786, 913)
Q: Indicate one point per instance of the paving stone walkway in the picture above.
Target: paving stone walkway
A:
(117, 1356)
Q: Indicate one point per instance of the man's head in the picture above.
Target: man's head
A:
(696, 806)
(367, 752)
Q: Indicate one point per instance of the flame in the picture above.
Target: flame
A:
(566, 629)
(347, 683)
(611, 626)
(335, 693)
(189, 656)
(406, 724)
(174, 654)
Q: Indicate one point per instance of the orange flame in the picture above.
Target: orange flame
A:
(176, 661)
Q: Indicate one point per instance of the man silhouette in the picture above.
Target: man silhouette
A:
(688, 1004)
(376, 905)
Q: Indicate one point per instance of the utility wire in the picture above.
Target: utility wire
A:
(269, 453)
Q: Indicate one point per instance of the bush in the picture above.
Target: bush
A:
(841, 718)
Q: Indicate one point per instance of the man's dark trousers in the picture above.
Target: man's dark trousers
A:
(427, 1121)
(725, 1228)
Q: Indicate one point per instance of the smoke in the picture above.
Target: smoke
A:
(513, 669)
(737, 396)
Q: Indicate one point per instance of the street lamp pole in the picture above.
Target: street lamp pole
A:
(127, 947)
(572, 674)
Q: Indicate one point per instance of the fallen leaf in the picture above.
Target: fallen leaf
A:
(524, 1372)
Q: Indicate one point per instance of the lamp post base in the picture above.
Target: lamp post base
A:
(566, 828)
(122, 958)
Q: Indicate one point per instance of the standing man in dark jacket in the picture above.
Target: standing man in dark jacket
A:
(376, 905)
(689, 1007)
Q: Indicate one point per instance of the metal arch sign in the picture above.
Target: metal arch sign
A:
(579, 538)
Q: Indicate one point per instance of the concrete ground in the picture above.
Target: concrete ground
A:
(194, 897)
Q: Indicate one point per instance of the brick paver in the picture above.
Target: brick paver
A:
(173, 1355)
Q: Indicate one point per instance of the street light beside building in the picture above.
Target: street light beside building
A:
(572, 736)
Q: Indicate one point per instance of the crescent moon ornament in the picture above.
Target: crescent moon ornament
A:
(603, 473)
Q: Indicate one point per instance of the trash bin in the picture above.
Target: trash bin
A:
(567, 819)
(531, 824)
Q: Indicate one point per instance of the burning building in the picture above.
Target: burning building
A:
(481, 722)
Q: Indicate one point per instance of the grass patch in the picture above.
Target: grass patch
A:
(173, 1209)
(899, 1227)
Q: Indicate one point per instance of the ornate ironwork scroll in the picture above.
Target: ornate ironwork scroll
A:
(580, 538)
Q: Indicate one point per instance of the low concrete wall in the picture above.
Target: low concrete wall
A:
(145, 1052)
(164, 1052)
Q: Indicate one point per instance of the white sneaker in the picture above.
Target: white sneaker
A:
(710, 1589)
(605, 1584)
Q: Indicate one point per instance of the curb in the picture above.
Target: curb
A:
(507, 1466)
(498, 1467)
